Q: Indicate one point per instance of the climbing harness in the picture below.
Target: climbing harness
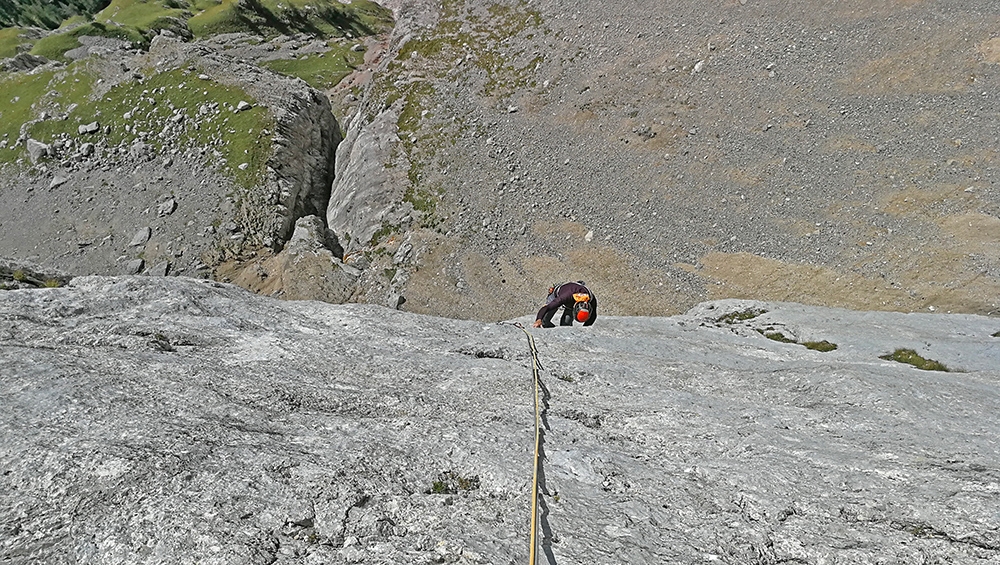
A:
(535, 368)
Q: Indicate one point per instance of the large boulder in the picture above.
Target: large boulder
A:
(36, 150)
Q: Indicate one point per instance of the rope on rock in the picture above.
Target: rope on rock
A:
(535, 368)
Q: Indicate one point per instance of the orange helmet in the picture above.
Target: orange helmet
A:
(582, 311)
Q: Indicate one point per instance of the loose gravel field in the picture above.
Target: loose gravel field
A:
(838, 154)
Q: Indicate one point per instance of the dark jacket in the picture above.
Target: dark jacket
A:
(562, 297)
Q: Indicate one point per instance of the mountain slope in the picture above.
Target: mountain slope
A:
(831, 153)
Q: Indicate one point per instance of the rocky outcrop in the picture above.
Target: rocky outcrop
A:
(310, 267)
(181, 421)
(15, 274)
(22, 62)
(372, 174)
(301, 166)
(304, 156)
(366, 194)
(98, 46)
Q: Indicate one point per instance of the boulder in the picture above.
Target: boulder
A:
(141, 237)
(166, 207)
(160, 269)
(58, 181)
(36, 150)
(134, 267)
(312, 234)
(92, 127)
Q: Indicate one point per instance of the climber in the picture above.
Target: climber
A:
(575, 299)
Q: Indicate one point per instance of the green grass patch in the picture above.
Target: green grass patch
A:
(773, 335)
(55, 46)
(424, 201)
(269, 18)
(10, 39)
(822, 346)
(214, 17)
(19, 92)
(321, 71)
(143, 15)
(239, 137)
(450, 482)
(383, 232)
(54, 92)
(416, 95)
(911, 357)
(74, 21)
(740, 316)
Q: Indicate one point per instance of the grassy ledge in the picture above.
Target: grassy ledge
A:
(10, 39)
(911, 357)
(321, 71)
(775, 335)
(240, 143)
(143, 15)
(741, 316)
(821, 346)
(55, 46)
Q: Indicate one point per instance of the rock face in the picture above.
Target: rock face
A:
(179, 421)
(366, 194)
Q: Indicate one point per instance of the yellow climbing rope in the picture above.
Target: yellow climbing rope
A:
(535, 367)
